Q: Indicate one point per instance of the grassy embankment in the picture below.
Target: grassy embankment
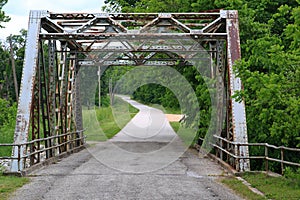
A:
(8, 184)
(276, 188)
(102, 124)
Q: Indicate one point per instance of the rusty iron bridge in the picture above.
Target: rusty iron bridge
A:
(50, 109)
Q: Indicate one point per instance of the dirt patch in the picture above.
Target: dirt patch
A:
(174, 117)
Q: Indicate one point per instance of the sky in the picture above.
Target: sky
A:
(18, 11)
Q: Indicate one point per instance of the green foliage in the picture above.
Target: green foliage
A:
(7, 112)
(7, 90)
(7, 137)
(156, 94)
(275, 103)
(3, 17)
(151, 5)
(7, 125)
(5, 71)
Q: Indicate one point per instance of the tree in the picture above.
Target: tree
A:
(4, 72)
(3, 54)
(11, 50)
(3, 17)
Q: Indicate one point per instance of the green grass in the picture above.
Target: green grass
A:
(8, 184)
(102, 124)
(241, 189)
(175, 125)
(186, 134)
(276, 188)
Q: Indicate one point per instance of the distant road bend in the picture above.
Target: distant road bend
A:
(143, 161)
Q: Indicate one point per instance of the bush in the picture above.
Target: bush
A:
(7, 125)
(7, 111)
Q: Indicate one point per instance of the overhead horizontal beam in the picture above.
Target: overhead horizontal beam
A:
(91, 63)
(132, 36)
(141, 51)
(133, 16)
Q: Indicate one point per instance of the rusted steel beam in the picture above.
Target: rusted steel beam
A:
(238, 112)
(132, 36)
(132, 16)
(28, 81)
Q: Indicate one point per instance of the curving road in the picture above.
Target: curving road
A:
(146, 160)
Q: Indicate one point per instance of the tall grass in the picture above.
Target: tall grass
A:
(104, 123)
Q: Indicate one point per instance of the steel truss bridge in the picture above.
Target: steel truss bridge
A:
(59, 44)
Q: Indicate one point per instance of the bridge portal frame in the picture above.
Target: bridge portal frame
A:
(49, 96)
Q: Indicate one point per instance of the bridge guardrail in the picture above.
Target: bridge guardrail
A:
(34, 155)
(234, 153)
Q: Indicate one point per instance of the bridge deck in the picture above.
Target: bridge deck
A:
(81, 176)
(137, 169)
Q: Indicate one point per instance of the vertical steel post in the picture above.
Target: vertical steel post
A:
(213, 56)
(44, 98)
(237, 108)
(220, 79)
(28, 80)
(52, 73)
(77, 104)
(35, 115)
(99, 86)
(69, 99)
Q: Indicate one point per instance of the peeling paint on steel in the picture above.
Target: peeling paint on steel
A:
(238, 108)
(26, 91)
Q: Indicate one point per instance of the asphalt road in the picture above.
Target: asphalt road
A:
(146, 160)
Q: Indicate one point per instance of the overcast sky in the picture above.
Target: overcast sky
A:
(18, 10)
